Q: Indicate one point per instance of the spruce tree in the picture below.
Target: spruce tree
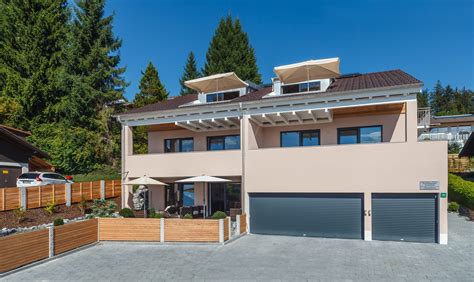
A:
(151, 88)
(231, 51)
(190, 72)
(32, 56)
(423, 99)
(437, 98)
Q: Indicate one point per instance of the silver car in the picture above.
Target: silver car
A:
(31, 179)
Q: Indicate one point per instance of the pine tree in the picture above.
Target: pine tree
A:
(97, 79)
(32, 54)
(437, 98)
(230, 51)
(151, 88)
(190, 72)
(423, 99)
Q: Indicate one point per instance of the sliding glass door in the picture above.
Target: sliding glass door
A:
(224, 196)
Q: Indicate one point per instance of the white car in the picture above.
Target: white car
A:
(31, 179)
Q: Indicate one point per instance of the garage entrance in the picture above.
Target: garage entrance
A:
(313, 214)
(8, 176)
(405, 217)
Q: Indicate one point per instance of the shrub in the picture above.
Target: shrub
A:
(50, 208)
(102, 208)
(453, 207)
(188, 216)
(219, 215)
(153, 214)
(82, 205)
(461, 191)
(58, 221)
(126, 212)
(20, 214)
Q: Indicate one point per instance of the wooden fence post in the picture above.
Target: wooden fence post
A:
(3, 200)
(54, 198)
(39, 196)
(113, 188)
(80, 189)
(91, 187)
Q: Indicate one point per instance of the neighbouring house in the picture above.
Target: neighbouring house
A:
(18, 156)
(316, 153)
(454, 128)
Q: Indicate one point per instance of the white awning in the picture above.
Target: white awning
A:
(203, 179)
(216, 82)
(145, 180)
(309, 70)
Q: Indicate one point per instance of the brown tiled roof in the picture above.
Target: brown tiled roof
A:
(373, 80)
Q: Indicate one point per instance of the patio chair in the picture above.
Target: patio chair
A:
(171, 211)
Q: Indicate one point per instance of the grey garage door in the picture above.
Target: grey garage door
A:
(405, 217)
(317, 215)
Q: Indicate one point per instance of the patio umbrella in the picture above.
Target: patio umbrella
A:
(309, 70)
(145, 180)
(216, 82)
(203, 179)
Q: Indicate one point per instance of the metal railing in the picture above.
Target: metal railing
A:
(424, 117)
(460, 138)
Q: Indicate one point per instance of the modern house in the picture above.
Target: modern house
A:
(315, 153)
(17, 156)
(453, 128)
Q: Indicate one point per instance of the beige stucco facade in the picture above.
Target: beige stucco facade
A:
(397, 165)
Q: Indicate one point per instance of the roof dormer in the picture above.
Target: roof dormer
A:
(305, 77)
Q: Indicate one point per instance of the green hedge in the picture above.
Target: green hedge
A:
(461, 191)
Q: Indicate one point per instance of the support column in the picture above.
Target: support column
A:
(368, 216)
(411, 115)
(221, 231)
(51, 241)
(245, 127)
(102, 189)
(443, 219)
(68, 194)
(23, 197)
(162, 230)
(127, 150)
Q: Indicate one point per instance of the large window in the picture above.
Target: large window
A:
(179, 145)
(187, 194)
(299, 138)
(301, 87)
(217, 143)
(223, 96)
(355, 135)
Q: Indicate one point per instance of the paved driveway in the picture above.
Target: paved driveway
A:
(256, 257)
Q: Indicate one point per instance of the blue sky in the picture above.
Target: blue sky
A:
(429, 39)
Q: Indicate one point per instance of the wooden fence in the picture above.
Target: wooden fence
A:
(164, 230)
(36, 197)
(22, 249)
(243, 223)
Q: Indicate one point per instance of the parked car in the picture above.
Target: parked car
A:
(31, 179)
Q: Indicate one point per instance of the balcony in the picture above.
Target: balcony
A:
(424, 117)
(216, 163)
(346, 168)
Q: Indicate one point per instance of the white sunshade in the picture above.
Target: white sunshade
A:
(145, 180)
(203, 178)
(216, 82)
(309, 70)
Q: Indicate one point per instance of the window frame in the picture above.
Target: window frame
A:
(223, 94)
(358, 128)
(299, 83)
(301, 137)
(180, 145)
(223, 138)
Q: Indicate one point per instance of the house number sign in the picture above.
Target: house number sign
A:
(429, 185)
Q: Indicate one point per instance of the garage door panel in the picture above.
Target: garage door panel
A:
(404, 217)
(318, 215)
